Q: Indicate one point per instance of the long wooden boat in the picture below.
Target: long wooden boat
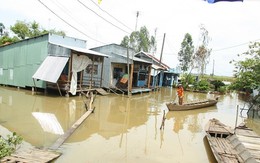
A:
(192, 105)
(225, 145)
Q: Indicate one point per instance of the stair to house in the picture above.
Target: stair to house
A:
(101, 91)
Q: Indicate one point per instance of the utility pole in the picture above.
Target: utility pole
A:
(213, 67)
(162, 47)
(137, 14)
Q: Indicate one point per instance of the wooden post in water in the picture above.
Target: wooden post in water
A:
(236, 118)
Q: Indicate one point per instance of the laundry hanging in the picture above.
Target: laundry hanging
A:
(79, 63)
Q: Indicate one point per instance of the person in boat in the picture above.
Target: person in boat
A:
(180, 93)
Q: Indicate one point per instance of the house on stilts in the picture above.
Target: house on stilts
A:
(122, 60)
(51, 62)
(161, 74)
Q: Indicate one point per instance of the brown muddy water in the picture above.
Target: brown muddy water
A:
(121, 129)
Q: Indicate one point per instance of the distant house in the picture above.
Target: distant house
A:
(162, 74)
(121, 61)
(50, 62)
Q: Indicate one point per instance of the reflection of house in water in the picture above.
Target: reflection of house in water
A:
(56, 62)
(120, 115)
(191, 119)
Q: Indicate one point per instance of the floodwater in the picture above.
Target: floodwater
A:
(122, 129)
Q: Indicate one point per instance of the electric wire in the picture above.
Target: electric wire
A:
(67, 12)
(70, 24)
(235, 45)
(111, 16)
(102, 17)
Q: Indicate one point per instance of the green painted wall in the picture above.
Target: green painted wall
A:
(19, 61)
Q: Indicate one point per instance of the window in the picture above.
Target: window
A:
(118, 73)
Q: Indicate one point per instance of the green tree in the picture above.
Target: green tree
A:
(125, 42)
(187, 79)
(6, 39)
(2, 28)
(247, 72)
(139, 40)
(62, 33)
(186, 52)
(203, 52)
(23, 30)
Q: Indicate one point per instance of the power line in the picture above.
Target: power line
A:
(111, 16)
(68, 12)
(235, 45)
(102, 17)
(69, 23)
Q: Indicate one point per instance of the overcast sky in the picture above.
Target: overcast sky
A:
(231, 25)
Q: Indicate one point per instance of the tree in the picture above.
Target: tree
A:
(6, 39)
(203, 52)
(23, 30)
(186, 52)
(217, 84)
(125, 42)
(139, 40)
(247, 72)
(2, 28)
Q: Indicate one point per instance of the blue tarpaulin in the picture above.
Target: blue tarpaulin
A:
(214, 1)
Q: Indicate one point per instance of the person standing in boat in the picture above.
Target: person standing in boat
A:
(180, 93)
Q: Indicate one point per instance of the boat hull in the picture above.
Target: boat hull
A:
(191, 106)
(225, 145)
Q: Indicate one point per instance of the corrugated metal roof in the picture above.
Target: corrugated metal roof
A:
(158, 67)
(134, 58)
(82, 50)
(51, 69)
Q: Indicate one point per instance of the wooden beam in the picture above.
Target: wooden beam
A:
(131, 77)
(149, 76)
(65, 136)
(102, 66)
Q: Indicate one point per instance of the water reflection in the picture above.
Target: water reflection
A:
(192, 119)
(121, 129)
(48, 122)
(39, 119)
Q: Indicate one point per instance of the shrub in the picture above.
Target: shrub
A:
(9, 145)
(203, 85)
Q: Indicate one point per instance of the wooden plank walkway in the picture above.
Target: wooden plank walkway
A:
(31, 156)
(65, 136)
(250, 140)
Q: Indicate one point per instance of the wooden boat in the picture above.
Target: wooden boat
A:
(225, 145)
(193, 105)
